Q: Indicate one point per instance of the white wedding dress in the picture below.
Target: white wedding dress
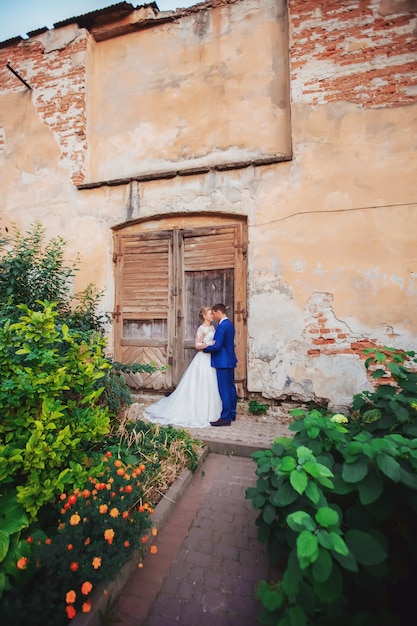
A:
(196, 401)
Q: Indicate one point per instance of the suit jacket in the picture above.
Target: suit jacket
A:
(223, 351)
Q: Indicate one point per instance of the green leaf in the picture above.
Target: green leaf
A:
(284, 495)
(337, 543)
(297, 616)
(324, 539)
(332, 588)
(313, 493)
(355, 472)
(300, 520)
(268, 514)
(293, 575)
(287, 464)
(317, 469)
(298, 479)
(378, 374)
(365, 547)
(326, 517)
(4, 544)
(307, 546)
(347, 561)
(370, 488)
(322, 567)
(272, 599)
(389, 466)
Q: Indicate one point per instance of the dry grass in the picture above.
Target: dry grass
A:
(168, 449)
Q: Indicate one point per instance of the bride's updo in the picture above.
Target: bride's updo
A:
(203, 311)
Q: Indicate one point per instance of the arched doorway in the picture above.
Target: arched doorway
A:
(166, 269)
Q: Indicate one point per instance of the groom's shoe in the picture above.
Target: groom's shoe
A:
(221, 422)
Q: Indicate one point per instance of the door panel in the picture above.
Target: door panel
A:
(204, 288)
(142, 324)
(162, 280)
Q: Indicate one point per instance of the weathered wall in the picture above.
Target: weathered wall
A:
(332, 260)
(191, 93)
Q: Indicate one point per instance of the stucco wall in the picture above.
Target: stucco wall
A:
(332, 262)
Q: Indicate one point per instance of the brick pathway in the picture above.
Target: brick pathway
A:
(208, 561)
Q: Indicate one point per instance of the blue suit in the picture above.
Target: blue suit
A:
(223, 358)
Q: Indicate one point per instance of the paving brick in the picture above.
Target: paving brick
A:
(209, 561)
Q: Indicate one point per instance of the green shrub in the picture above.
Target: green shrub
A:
(99, 529)
(338, 509)
(257, 408)
(48, 404)
(32, 271)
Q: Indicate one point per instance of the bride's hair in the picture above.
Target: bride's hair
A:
(203, 311)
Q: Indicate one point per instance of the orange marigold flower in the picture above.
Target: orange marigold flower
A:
(48, 541)
(154, 531)
(103, 508)
(22, 562)
(120, 471)
(112, 494)
(87, 541)
(70, 546)
(29, 539)
(141, 508)
(96, 562)
(74, 566)
(86, 587)
(71, 612)
(125, 514)
(127, 476)
(70, 597)
(86, 607)
(154, 549)
(126, 543)
(114, 512)
(117, 463)
(140, 565)
(108, 453)
(62, 496)
(142, 467)
(145, 538)
(128, 488)
(121, 489)
(72, 499)
(109, 535)
(61, 526)
(86, 493)
(75, 519)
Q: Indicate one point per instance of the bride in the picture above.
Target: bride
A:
(196, 401)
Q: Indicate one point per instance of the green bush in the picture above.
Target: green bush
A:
(338, 508)
(48, 404)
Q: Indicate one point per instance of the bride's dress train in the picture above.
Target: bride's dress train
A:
(196, 401)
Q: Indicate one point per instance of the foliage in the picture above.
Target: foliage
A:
(99, 529)
(34, 271)
(31, 271)
(49, 405)
(257, 408)
(338, 508)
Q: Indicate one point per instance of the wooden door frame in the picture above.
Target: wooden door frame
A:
(189, 223)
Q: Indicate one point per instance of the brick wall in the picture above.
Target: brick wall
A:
(58, 80)
(363, 52)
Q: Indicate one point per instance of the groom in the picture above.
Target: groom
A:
(223, 358)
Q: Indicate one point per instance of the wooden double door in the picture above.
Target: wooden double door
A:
(163, 277)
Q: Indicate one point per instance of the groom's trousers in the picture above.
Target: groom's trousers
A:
(227, 390)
